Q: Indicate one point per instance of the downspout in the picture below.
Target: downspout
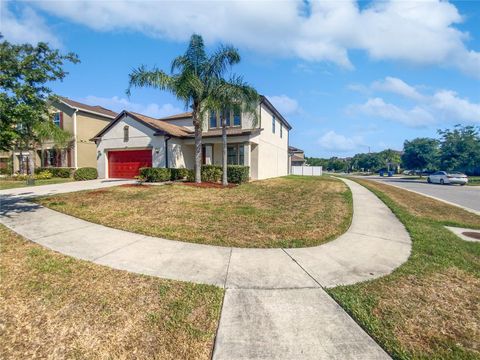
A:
(166, 150)
(75, 155)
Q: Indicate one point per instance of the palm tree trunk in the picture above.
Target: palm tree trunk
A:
(198, 149)
(224, 152)
(31, 166)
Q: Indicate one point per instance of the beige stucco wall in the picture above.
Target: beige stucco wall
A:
(272, 150)
(88, 125)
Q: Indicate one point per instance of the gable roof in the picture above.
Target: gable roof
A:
(185, 115)
(98, 110)
(159, 126)
(294, 149)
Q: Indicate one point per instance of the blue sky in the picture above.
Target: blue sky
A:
(348, 75)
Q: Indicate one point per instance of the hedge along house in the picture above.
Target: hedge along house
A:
(134, 140)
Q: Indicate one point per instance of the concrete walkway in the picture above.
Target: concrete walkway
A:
(275, 307)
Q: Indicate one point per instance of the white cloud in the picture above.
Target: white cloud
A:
(285, 104)
(118, 104)
(337, 142)
(397, 86)
(25, 27)
(418, 32)
(440, 107)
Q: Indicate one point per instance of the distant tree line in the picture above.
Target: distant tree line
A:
(456, 149)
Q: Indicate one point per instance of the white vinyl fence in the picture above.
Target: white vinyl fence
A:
(307, 170)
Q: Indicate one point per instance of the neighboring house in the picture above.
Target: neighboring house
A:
(133, 140)
(297, 156)
(83, 122)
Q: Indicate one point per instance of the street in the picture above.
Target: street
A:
(466, 196)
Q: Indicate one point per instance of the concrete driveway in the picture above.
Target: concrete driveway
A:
(464, 196)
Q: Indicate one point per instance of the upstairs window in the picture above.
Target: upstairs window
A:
(273, 124)
(56, 119)
(281, 131)
(125, 133)
(237, 118)
(213, 119)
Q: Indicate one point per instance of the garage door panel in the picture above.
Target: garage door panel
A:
(126, 164)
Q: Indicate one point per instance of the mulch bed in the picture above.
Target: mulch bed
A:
(209, 185)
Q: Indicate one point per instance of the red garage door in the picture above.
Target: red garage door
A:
(125, 164)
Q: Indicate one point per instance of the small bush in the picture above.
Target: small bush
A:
(211, 173)
(190, 175)
(86, 173)
(179, 174)
(61, 172)
(155, 174)
(43, 175)
(237, 174)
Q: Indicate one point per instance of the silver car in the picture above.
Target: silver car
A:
(442, 177)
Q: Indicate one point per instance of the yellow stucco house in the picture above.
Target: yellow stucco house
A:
(83, 122)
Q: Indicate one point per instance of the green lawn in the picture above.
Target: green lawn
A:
(11, 184)
(292, 211)
(57, 307)
(474, 180)
(429, 308)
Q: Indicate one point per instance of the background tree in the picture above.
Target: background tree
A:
(190, 80)
(420, 154)
(25, 72)
(227, 98)
(460, 149)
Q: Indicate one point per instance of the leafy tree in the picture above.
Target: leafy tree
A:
(190, 80)
(227, 98)
(390, 158)
(420, 153)
(25, 72)
(368, 162)
(312, 161)
(460, 149)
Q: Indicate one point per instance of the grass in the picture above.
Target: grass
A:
(12, 184)
(56, 307)
(292, 211)
(429, 308)
(474, 180)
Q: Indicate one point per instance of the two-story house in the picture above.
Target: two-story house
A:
(134, 140)
(297, 156)
(83, 122)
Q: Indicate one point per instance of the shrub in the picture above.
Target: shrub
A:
(61, 172)
(86, 173)
(237, 174)
(190, 175)
(211, 173)
(155, 174)
(179, 174)
(43, 175)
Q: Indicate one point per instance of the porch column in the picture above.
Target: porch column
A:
(209, 154)
(247, 157)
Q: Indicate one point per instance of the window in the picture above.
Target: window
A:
(125, 133)
(235, 154)
(237, 118)
(273, 124)
(281, 131)
(213, 119)
(56, 119)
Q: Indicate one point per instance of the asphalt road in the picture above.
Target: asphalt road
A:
(466, 196)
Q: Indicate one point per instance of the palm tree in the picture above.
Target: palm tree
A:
(227, 97)
(190, 81)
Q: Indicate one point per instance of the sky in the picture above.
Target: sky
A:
(349, 76)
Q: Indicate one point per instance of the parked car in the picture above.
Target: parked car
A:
(442, 177)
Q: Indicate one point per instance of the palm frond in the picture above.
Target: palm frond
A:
(224, 57)
(155, 78)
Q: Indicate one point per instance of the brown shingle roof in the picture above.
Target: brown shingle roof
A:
(184, 115)
(88, 108)
(297, 158)
(161, 125)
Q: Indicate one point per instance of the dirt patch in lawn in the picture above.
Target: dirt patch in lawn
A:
(281, 212)
(207, 185)
(56, 307)
(441, 308)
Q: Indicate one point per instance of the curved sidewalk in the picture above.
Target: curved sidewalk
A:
(274, 305)
(375, 244)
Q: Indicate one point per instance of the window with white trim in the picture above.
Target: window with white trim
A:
(281, 131)
(235, 154)
(56, 119)
(273, 124)
(125, 133)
